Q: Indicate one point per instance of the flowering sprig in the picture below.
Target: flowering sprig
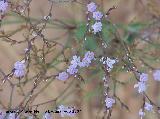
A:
(37, 58)
(96, 15)
(142, 83)
(92, 7)
(108, 62)
(76, 64)
(19, 67)
(3, 5)
(109, 102)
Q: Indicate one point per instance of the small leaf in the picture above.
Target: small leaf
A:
(90, 43)
(135, 27)
(107, 32)
(80, 31)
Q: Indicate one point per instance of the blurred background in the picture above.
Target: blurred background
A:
(86, 96)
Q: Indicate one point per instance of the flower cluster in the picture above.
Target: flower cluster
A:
(141, 85)
(91, 7)
(147, 107)
(2, 114)
(109, 102)
(141, 113)
(86, 61)
(3, 5)
(108, 62)
(19, 69)
(75, 64)
(72, 69)
(97, 15)
(13, 116)
(156, 75)
(66, 111)
(63, 76)
(97, 27)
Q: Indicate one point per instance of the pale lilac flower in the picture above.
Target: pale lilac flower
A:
(143, 77)
(141, 86)
(109, 102)
(91, 7)
(141, 113)
(47, 116)
(19, 65)
(97, 15)
(109, 62)
(142, 83)
(75, 61)
(89, 55)
(85, 62)
(72, 70)
(156, 75)
(97, 27)
(148, 107)
(2, 114)
(12, 116)
(19, 72)
(66, 111)
(62, 76)
(3, 5)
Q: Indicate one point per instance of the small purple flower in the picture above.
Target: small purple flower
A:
(141, 86)
(109, 62)
(97, 27)
(91, 7)
(148, 106)
(89, 55)
(85, 62)
(143, 77)
(97, 15)
(19, 72)
(3, 5)
(62, 76)
(141, 113)
(72, 69)
(75, 61)
(109, 102)
(19, 65)
(2, 114)
(13, 116)
(156, 75)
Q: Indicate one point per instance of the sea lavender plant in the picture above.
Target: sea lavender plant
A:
(90, 49)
